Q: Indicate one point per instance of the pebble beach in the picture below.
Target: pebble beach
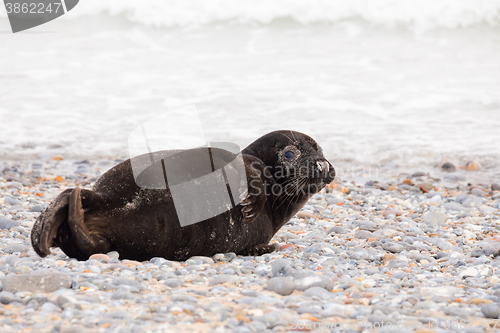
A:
(414, 252)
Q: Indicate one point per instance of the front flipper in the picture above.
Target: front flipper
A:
(256, 196)
(260, 249)
(250, 207)
(86, 241)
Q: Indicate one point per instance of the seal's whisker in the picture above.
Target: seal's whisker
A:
(285, 193)
(301, 184)
(290, 180)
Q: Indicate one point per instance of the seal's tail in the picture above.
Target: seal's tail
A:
(44, 232)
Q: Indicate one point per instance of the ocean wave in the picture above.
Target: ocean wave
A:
(417, 15)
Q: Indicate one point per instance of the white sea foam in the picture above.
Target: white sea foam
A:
(418, 15)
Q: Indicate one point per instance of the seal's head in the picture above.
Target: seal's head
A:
(295, 161)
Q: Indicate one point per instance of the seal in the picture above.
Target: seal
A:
(283, 170)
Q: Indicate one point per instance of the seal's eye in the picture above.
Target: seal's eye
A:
(289, 155)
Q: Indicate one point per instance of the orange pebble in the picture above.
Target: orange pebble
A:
(388, 257)
(308, 316)
(472, 166)
(407, 181)
(332, 185)
(243, 318)
(99, 256)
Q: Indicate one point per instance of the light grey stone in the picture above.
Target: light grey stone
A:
(281, 285)
(46, 281)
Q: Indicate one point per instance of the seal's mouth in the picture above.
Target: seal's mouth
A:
(322, 174)
(308, 179)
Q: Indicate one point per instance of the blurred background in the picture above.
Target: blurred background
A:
(381, 83)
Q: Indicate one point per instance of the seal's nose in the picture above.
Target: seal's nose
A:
(325, 170)
(323, 166)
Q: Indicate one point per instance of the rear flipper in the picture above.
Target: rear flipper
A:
(44, 231)
(62, 224)
(86, 241)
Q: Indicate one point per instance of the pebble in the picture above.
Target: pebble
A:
(454, 177)
(469, 272)
(435, 217)
(305, 281)
(393, 247)
(49, 308)
(11, 248)
(280, 285)
(65, 301)
(276, 318)
(100, 256)
(318, 292)
(282, 267)
(478, 192)
(425, 186)
(491, 311)
(220, 280)
(472, 166)
(45, 281)
(36, 209)
(7, 297)
(486, 248)
(6, 224)
(448, 167)
(113, 255)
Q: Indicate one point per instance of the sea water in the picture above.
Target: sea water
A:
(376, 83)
